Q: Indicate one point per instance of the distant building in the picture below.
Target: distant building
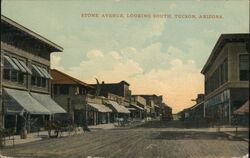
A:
(154, 103)
(166, 112)
(139, 103)
(120, 89)
(79, 99)
(227, 77)
(25, 80)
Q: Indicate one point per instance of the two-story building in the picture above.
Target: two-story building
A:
(120, 89)
(79, 100)
(227, 77)
(25, 77)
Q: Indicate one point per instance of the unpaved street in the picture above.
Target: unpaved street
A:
(151, 140)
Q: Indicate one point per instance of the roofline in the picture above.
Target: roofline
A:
(31, 33)
(223, 38)
(193, 107)
(72, 78)
(112, 83)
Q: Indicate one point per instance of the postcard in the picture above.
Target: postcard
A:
(124, 78)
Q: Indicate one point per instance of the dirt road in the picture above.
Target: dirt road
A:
(151, 140)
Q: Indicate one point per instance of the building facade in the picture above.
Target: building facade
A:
(25, 77)
(120, 89)
(226, 77)
(154, 104)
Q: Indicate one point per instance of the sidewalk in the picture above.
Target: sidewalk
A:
(31, 137)
(243, 132)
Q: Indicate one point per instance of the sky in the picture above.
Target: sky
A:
(162, 56)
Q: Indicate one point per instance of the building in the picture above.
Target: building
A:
(226, 77)
(139, 105)
(166, 112)
(154, 104)
(70, 93)
(119, 89)
(196, 113)
(116, 92)
(25, 77)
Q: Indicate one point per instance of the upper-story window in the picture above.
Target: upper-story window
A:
(244, 67)
(15, 69)
(64, 89)
(40, 76)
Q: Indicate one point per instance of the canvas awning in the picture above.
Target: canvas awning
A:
(118, 108)
(11, 63)
(243, 109)
(16, 101)
(131, 109)
(38, 71)
(100, 107)
(25, 67)
(137, 107)
(48, 102)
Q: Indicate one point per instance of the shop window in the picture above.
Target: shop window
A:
(244, 67)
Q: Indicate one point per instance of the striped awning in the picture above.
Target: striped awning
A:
(17, 101)
(48, 102)
(136, 106)
(100, 107)
(118, 108)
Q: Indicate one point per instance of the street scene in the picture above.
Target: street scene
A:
(151, 139)
(116, 79)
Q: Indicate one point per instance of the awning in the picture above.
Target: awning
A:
(19, 65)
(100, 107)
(48, 102)
(44, 72)
(38, 71)
(131, 109)
(117, 107)
(16, 101)
(243, 109)
(25, 66)
(12, 64)
(137, 107)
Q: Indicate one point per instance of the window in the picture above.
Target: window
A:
(44, 82)
(244, 67)
(39, 76)
(64, 89)
(39, 80)
(33, 80)
(13, 71)
(13, 76)
(21, 78)
(6, 74)
(55, 89)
